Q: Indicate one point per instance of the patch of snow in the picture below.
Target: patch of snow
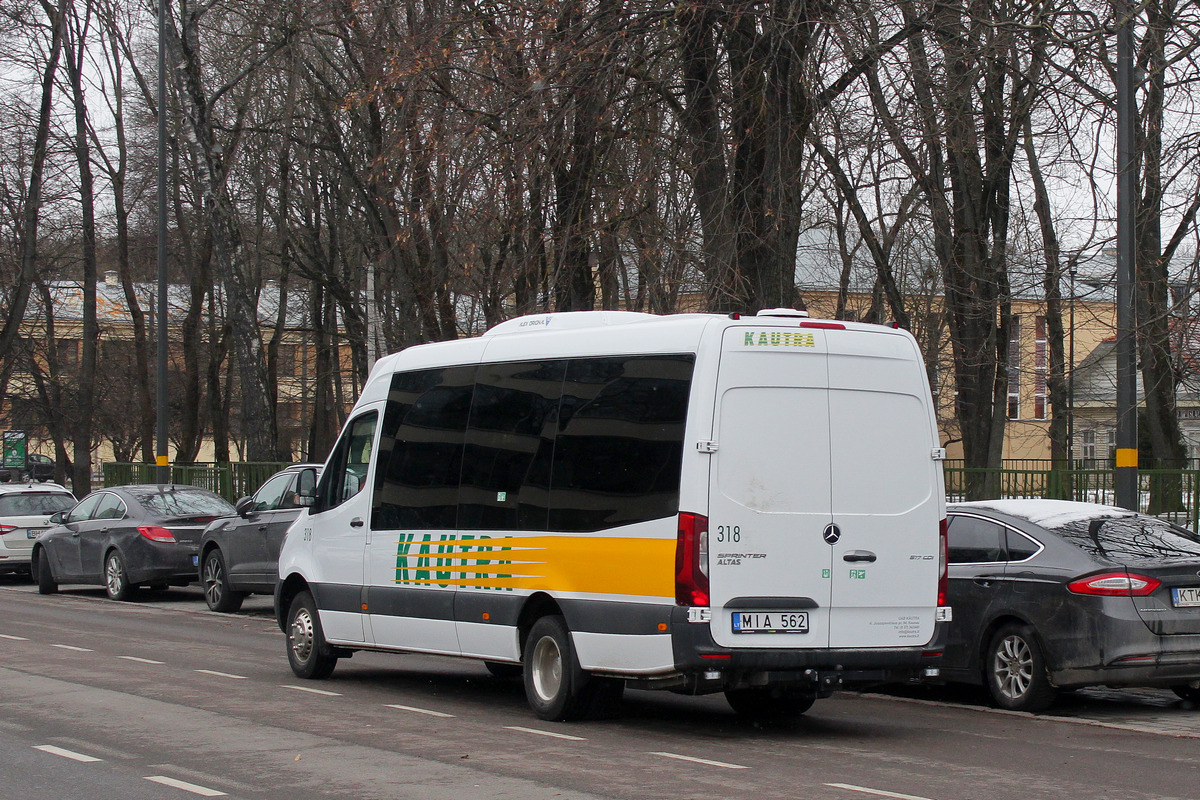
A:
(1049, 513)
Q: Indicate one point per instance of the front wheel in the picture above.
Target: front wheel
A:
(116, 579)
(215, 579)
(309, 655)
(41, 570)
(1015, 670)
(770, 702)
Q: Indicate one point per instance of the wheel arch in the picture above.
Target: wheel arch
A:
(989, 632)
(285, 593)
(538, 605)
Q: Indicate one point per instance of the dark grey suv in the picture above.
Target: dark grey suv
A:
(240, 555)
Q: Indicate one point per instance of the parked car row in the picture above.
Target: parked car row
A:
(1048, 595)
(37, 468)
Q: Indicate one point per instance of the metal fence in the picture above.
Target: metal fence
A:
(231, 480)
(1172, 494)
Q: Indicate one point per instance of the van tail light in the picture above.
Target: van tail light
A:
(943, 562)
(156, 533)
(1115, 584)
(691, 561)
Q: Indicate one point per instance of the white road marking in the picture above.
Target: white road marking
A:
(309, 690)
(14, 638)
(140, 660)
(72, 647)
(203, 791)
(546, 733)
(877, 792)
(71, 754)
(420, 711)
(701, 761)
(221, 674)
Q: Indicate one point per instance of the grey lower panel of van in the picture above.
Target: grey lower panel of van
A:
(586, 616)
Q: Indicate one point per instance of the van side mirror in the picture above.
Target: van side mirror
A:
(243, 506)
(306, 488)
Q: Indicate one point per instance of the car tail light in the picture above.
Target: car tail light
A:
(691, 561)
(1115, 584)
(156, 533)
(943, 562)
(7, 529)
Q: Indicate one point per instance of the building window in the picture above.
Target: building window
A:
(1039, 369)
(1097, 444)
(67, 353)
(1014, 368)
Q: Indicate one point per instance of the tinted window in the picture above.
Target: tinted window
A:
(274, 494)
(509, 444)
(1020, 547)
(33, 503)
(974, 541)
(111, 507)
(85, 508)
(1131, 538)
(178, 502)
(422, 445)
(619, 446)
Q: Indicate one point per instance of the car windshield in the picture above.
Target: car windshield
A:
(1131, 538)
(177, 502)
(28, 504)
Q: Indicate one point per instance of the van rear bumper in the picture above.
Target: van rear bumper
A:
(696, 652)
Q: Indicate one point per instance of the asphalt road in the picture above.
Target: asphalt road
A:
(163, 699)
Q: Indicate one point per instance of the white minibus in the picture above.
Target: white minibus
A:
(599, 500)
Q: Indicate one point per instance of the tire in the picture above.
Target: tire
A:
(45, 578)
(556, 687)
(116, 578)
(503, 670)
(1189, 693)
(1015, 670)
(215, 580)
(309, 655)
(770, 703)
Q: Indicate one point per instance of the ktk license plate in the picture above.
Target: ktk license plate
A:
(770, 622)
(1185, 596)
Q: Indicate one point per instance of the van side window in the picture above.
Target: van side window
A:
(421, 449)
(619, 448)
(348, 463)
(510, 441)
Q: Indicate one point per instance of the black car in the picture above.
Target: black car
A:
(127, 536)
(37, 468)
(240, 555)
(1051, 595)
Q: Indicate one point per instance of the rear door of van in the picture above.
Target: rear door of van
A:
(825, 500)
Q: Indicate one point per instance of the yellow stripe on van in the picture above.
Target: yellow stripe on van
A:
(584, 564)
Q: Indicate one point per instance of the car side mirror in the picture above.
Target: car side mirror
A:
(58, 517)
(243, 506)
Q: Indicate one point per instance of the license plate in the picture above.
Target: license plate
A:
(1182, 597)
(770, 622)
(195, 560)
(34, 533)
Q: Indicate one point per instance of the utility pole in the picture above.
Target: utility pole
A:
(1126, 479)
(162, 472)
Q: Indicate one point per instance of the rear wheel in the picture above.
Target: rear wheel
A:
(309, 655)
(217, 593)
(116, 579)
(556, 687)
(1015, 670)
(43, 575)
(770, 702)
(1188, 693)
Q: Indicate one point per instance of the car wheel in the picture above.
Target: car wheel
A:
(1015, 670)
(770, 702)
(503, 670)
(45, 578)
(309, 655)
(116, 579)
(1188, 693)
(215, 579)
(555, 686)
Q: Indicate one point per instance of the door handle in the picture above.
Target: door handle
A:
(984, 582)
(356, 522)
(262, 527)
(859, 555)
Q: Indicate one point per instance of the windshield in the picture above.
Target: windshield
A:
(1124, 539)
(28, 504)
(179, 502)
